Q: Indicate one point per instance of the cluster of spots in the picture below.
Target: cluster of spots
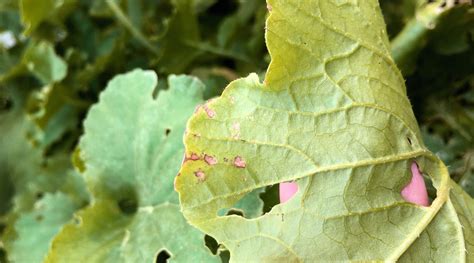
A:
(239, 162)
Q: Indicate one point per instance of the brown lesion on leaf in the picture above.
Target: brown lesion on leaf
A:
(191, 157)
(239, 162)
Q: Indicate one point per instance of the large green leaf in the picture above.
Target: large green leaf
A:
(132, 149)
(333, 115)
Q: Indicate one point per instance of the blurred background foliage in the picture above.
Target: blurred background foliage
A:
(57, 55)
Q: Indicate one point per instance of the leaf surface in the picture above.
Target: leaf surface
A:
(332, 115)
(132, 149)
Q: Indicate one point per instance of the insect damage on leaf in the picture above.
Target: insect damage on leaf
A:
(332, 114)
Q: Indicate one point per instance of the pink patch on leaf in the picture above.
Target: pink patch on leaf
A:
(210, 160)
(239, 162)
(210, 113)
(200, 175)
(287, 191)
(415, 192)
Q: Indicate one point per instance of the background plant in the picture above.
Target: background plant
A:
(57, 56)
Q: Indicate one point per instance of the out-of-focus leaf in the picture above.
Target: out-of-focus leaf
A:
(333, 115)
(433, 24)
(34, 12)
(42, 61)
(135, 214)
(178, 46)
(214, 79)
(52, 109)
(35, 229)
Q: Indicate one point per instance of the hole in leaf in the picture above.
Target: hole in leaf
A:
(234, 211)
(430, 188)
(409, 140)
(128, 206)
(167, 131)
(162, 256)
(211, 243)
(416, 190)
(287, 191)
(39, 195)
(225, 255)
(270, 198)
(5, 104)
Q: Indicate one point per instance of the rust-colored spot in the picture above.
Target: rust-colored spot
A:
(239, 162)
(200, 175)
(192, 157)
(210, 159)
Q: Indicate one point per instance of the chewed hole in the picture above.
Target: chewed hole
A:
(211, 243)
(416, 190)
(236, 212)
(162, 256)
(430, 188)
(128, 206)
(167, 131)
(39, 195)
(287, 191)
(409, 141)
(270, 198)
(230, 211)
(5, 104)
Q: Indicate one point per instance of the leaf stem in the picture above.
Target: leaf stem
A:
(123, 19)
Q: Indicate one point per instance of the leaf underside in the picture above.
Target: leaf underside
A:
(333, 115)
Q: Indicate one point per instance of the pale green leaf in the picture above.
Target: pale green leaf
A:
(333, 115)
(35, 229)
(132, 149)
(41, 60)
